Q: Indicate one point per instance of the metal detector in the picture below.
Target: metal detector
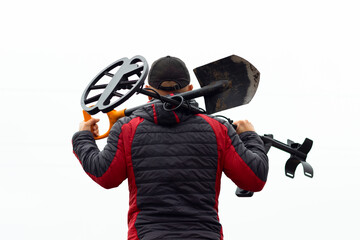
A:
(226, 83)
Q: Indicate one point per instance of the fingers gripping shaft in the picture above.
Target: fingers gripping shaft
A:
(113, 117)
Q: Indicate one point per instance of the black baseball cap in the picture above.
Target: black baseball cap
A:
(169, 69)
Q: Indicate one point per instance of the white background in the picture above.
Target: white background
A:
(308, 56)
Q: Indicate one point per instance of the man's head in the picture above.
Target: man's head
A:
(169, 75)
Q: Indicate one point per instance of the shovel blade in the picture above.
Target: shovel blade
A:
(244, 80)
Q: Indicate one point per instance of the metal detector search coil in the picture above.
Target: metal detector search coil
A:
(119, 89)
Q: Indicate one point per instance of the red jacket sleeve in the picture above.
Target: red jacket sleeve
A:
(245, 161)
(242, 157)
(106, 167)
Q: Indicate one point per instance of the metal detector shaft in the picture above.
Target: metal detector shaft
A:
(175, 100)
(282, 146)
(214, 87)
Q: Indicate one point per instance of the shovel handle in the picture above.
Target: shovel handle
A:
(113, 116)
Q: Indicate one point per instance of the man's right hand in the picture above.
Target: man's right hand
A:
(90, 125)
(243, 126)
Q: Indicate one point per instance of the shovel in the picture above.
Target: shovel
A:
(243, 80)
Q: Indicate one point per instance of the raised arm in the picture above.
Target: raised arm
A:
(245, 160)
(106, 167)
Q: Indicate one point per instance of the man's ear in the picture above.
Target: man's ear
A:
(147, 86)
(190, 87)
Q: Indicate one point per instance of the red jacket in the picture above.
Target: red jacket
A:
(173, 162)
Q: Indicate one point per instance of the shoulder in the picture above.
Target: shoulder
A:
(125, 122)
(216, 121)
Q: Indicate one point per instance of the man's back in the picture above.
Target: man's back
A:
(173, 161)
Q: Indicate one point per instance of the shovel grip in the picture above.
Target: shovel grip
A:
(113, 116)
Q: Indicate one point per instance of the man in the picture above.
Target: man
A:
(173, 161)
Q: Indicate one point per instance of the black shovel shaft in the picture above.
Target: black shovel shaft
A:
(215, 87)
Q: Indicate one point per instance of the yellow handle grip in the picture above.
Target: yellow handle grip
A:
(113, 117)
